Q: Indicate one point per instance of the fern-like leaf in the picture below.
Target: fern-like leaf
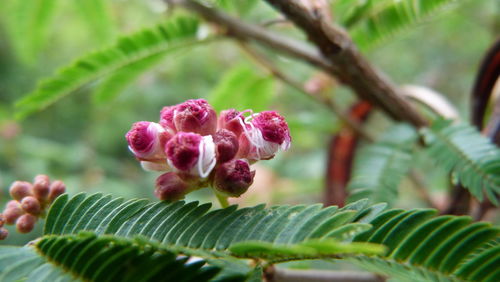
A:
(128, 50)
(427, 248)
(380, 167)
(372, 21)
(419, 244)
(471, 157)
(87, 257)
(191, 225)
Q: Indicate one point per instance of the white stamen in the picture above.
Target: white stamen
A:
(206, 158)
(263, 148)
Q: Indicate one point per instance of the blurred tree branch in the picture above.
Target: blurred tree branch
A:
(329, 103)
(337, 54)
(273, 274)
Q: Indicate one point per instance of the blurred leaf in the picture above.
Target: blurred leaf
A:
(243, 88)
(97, 15)
(87, 257)
(462, 150)
(28, 24)
(352, 11)
(115, 83)
(373, 21)
(175, 33)
(380, 167)
(242, 7)
(425, 247)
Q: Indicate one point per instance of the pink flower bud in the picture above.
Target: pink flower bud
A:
(191, 153)
(226, 144)
(170, 187)
(233, 178)
(146, 140)
(12, 212)
(13, 204)
(273, 127)
(31, 205)
(25, 223)
(41, 187)
(195, 116)
(3, 233)
(231, 120)
(57, 188)
(183, 150)
(20, 189)
(2, 220)
(167, 118)
(265, 134)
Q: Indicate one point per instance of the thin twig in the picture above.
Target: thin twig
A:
(421, 187)
(310, 275)
(329, 103)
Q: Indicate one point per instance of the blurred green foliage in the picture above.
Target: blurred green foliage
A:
(82, 142)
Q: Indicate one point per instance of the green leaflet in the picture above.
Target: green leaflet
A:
(380, 167)
(128, 51)
(463, 151)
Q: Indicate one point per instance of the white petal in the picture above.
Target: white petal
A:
(206, 159)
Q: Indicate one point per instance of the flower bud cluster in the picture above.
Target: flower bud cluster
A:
(30, 201)
(197, 149)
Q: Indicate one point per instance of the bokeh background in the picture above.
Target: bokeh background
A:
(81, 141)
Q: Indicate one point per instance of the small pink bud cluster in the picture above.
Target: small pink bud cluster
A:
(196, 149)
(30, 201)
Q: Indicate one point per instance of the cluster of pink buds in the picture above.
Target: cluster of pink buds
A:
(30, 202)
(196, 149)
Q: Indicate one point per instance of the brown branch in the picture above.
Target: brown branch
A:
(242, 30)
(329, 103)
(353, 69)
(338, 56)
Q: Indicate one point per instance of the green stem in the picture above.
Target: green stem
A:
(222, 200)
